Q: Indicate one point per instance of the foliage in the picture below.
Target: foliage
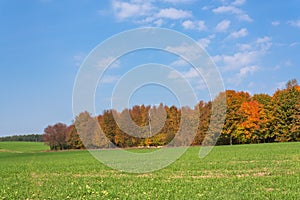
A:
(260, 118)
(55, 136)
(234, 101)
(28, 138)
(252, 127)
(286, 114)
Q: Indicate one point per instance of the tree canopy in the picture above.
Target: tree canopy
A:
(249, 119)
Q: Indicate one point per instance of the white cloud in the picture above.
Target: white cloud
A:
(174, 75)
(294, 44)
(241, 15)
(247, 70)
(109, 79)
(204, 42)
(188, 24)
(275, 23)
(194, 25)
(227, 9)
(239, 34)
(263, 40)
(249, 55)
(223, 26)
(124, 10)
(108, 61)
(244, 47)
(237, 60)
(238, 2)
(245, 17)
(158, 22)
(295, 23)
(177, 1)
(179, 63)
(78, 59)
(264, 43)
(205, 8)
(173, 13)
(192, 73)
(188, 51)
(193, 76)
(148, 13)
(242, 74)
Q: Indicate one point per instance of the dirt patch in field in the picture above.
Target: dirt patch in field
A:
(100, 175)
(200, 176)
(262, 174)
(43, 175)
(9, 151)
(144, 175)
(269, 189)
(243, 161)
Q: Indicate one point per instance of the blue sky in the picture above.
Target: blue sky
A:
(255, 45)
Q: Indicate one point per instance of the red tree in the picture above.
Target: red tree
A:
(55, 136)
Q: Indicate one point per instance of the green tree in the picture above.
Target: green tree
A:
(295, 129)
(267, 128)
(285, 111)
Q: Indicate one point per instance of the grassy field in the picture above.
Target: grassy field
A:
(22, 147)
(264, 171)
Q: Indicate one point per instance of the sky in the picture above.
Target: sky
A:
(255, 46)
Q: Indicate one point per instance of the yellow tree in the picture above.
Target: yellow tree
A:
(234, 100)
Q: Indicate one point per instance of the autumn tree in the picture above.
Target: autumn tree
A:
(55, 136)
(73, 140)
(172, 123)
(90, 131)
(260, 118)
(108, 124)
(291, 84)
(234, 100)
(204, 119)
(252, 126)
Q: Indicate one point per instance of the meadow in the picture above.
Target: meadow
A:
(257, 171)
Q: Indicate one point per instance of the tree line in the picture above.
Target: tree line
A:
(25, 138)
(259, 118)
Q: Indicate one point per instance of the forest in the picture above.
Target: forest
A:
(23, 138)
(258, 118)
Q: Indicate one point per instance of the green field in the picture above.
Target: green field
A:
(264, 171)
(22, 147)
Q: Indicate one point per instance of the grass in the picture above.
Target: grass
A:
(22, 147)
(264, 171)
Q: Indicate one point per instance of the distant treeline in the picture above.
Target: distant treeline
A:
(27, 138)
(260, 118)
